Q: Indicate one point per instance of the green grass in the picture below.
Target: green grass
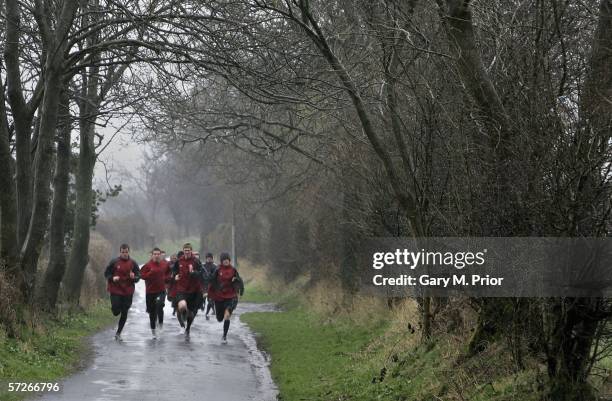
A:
(309, 359)
(51, 352)
(257, 294)
(315, 358)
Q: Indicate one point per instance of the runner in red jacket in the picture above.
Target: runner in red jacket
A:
(121, 274)
(187, 271)
(155, 273)
(224, 288)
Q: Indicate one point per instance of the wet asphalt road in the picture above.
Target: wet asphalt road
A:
(171, 368)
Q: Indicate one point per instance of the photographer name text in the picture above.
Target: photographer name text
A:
(425, 280)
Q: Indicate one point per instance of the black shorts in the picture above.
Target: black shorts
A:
(120, 303)
(221, 306)
(155, 300)
(194, 300)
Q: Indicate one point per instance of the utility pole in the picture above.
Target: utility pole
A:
(234, 234)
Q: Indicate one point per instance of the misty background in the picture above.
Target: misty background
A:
(308, 125)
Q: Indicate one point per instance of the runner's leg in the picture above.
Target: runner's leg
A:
(226, 321)
(126, 303)
(122, 320)
(160, 314)
(182, 312)
(150, 301)
(219, 309)
(210, 305)
(115, 304)
(193, 303)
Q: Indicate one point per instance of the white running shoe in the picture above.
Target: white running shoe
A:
(154, 334)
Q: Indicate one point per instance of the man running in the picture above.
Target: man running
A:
(121, 274)
(225, 288)
(208, 269)
(156, 273)
(187, 272)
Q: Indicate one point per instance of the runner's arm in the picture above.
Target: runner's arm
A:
(145, 271)
(197, 269)
(239, 283)
(213, 281)
(108, 272)
(136, 271)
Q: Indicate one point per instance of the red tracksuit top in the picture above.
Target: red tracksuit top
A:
(155, 275)
(188, 283)
(225, 287)
(122, 268)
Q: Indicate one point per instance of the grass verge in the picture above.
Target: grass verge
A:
(309, 359)
(259, 287)
(50, 351)
(326, 345)
(313, 358)
(256, 294)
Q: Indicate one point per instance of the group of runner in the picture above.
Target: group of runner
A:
(187, 282)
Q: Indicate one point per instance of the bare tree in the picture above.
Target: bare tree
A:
(53, 34)
(49, 285)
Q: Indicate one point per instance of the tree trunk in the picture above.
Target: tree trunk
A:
(79, 255)
(497, 150)
(22, 119)
(49, 287)
(577, 320)
(499, 156)
(8, 206)
(569, 356)
(39, 221)
(425, 307)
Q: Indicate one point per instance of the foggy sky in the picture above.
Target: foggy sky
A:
(123, 154)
